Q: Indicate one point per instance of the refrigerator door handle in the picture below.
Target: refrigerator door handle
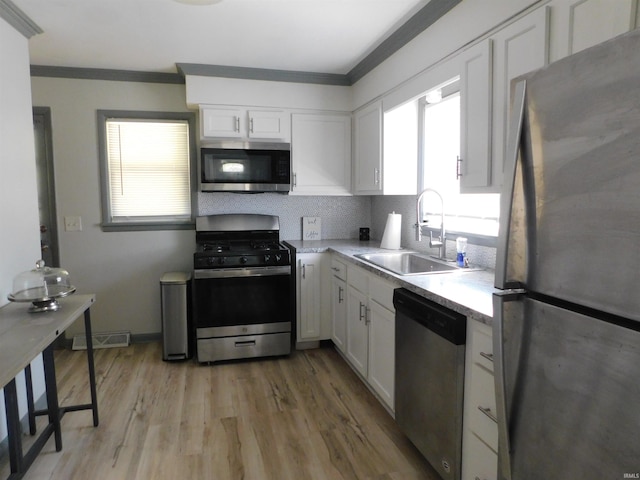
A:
(504, 446)
(506, 200)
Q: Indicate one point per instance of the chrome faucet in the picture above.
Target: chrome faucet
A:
(441, 243)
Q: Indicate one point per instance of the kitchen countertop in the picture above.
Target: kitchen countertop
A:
(466, 292)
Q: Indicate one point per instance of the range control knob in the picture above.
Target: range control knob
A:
(278, 257)
(267, 258)
(243, 260)
(211, 260)
(221, 260)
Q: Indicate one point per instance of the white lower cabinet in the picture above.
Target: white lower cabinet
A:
(357, 330)
(480, 431)
(370, 336)
(339, 304)
(313, 317)
(382, 334)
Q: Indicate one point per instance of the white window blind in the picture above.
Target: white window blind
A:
(148, 169)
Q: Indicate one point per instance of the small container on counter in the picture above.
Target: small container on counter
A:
(461, 248)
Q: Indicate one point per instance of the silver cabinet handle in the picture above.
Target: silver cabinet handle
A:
(295, 179)
(487, 411)
(488, 356)
(362, 315)
(238, 124)
(376, 176)
(335, 269)
(458, 167)
(251, 125)
(304, 271)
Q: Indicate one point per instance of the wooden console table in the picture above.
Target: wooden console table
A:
(24, 336)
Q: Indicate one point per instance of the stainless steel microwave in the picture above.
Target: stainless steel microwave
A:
(245, 167)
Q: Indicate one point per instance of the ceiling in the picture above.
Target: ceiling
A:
(324, 36)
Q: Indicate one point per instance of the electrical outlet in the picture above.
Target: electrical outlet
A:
(72, 224)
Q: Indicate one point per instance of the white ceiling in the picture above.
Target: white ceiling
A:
(325, 36)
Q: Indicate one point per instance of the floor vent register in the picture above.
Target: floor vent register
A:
(102, 340)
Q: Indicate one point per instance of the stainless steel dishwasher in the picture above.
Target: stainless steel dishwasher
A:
(429, 384)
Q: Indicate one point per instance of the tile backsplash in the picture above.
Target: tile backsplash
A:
(341, 217)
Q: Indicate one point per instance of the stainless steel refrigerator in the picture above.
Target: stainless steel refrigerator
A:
(567, 321)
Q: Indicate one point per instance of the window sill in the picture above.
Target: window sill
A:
(473, 238)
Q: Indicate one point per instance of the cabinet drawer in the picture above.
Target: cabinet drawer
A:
(381, 291)
(338, 269)
(358, 279)
(482, 406)
(482, 347)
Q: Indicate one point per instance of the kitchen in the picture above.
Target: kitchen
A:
(91, 250)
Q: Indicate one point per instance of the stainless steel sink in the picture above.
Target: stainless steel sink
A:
(408, 263)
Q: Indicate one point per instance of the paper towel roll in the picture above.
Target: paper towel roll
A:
(391, 236)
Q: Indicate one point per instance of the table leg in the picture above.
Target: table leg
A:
(92, 371)
(53, 409)
(30, 401)
(16, 459)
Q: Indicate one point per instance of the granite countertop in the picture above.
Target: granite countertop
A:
(466, 292)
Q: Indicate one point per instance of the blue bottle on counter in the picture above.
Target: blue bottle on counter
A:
(461, 247)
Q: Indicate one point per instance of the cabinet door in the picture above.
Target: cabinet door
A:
(309, 296)
(579, 24)
(368, 150)
(267, 124)
(357, 330)
(475, 118)
(222, 122)
(382, 335)
(518, 49)
(321, 154)
(339, 313)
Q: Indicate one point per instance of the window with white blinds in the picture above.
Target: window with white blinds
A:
(146, 170)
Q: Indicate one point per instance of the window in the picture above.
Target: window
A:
(440, 148)
(146, 170)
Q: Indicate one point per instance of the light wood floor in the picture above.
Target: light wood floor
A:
(306, 416)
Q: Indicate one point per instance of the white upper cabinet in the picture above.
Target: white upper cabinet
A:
(579, 24)
(368, 150)
(321, 154)
(475, 118)
(517, 49)
(386, 150)
(244, 123)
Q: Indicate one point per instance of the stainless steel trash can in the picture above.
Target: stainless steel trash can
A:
(174, 295)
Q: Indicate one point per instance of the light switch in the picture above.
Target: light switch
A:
(73, 224)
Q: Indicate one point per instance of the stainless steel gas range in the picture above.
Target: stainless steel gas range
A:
(242, 288)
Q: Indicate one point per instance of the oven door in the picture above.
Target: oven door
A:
(242, 301)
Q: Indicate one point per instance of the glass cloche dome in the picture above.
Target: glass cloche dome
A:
(42, 286)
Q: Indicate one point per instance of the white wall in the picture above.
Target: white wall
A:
(463, 24)
(19, 229)
(230, 91)
(122, 268)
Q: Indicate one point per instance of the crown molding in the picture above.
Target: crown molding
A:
(248, 73)
(417, 24)
(105, 74)
(18, 19)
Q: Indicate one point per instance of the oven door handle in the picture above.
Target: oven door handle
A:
(242, 272)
